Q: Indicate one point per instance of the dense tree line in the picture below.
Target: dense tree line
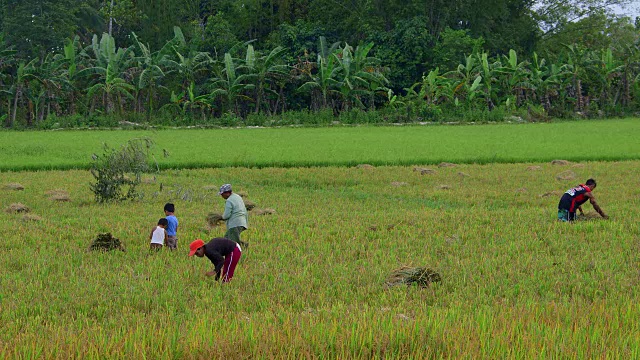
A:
(200, 61)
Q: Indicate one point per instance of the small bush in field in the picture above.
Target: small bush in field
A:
(118, 172)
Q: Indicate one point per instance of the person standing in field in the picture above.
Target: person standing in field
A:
(235, 214)
(223, 253)
(158, 235)
(573, 199)
(172, 228)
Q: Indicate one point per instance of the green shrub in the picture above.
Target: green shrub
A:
(117, 172)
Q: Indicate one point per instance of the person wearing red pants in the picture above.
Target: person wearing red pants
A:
(223, 253)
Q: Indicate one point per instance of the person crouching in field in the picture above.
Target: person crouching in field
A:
(158, 235)
(235, 214)
(573, 199)
(223, 253)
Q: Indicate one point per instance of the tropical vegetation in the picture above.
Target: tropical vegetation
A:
(226, 63)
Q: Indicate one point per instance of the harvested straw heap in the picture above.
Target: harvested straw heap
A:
(249, 205)
(214, 219)
(17, 208)
(413, 275)
(106, 242)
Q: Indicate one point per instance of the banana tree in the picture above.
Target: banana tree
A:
(267, 70)
(360, 76)
(324, 80)
(516, 76)
(50, 77)
(71, 62)
(545, 80)
(24, 74)
(487, 72)
(108, 73)
(576, 65)
(609, 71)
(151, 74)
(7, 60)
(186, 68)
(230, 86)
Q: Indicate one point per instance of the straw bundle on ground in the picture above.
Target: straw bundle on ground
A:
(106, 242)
(407, 275)
(566, 175)
(365, 166)
(266, 211)
(31, 217)
(214, 219)
(13, 186)
(560, 162)
(534, 168)
(250, 205)
(17, 208)
(423, 171)
(446, 164)
(589, 216)
(58, 195)
(243, 194)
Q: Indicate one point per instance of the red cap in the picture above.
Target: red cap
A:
(197, 244)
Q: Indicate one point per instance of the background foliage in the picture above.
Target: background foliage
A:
(86, 63)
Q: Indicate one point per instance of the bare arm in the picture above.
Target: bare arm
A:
(594, 203)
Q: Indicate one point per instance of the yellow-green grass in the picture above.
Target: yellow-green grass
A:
(515, 282)
(613, 139)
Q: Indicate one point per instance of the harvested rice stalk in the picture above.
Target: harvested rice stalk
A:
(13, 186)
(266, 211)
(17, 208)
(31, 217)
(106, 242)
(214, 219)
(250, 205)
(58, 195)
(413, 275)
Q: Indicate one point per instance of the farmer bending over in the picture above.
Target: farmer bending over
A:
(223, 253)
(235, 214)
(574, 198)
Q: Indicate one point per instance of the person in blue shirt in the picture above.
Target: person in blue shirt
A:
(172, 227)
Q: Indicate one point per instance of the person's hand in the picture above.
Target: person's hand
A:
(211, 273)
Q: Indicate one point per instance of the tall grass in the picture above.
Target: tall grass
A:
(515, 283)
(338, 146)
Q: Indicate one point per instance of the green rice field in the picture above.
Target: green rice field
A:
(313, 283)
(605, 140)
(515, 283)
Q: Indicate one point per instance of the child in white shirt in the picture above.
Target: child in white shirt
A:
(158, 235)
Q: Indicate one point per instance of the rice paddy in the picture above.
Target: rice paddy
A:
(514, 283)
(612, 140)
